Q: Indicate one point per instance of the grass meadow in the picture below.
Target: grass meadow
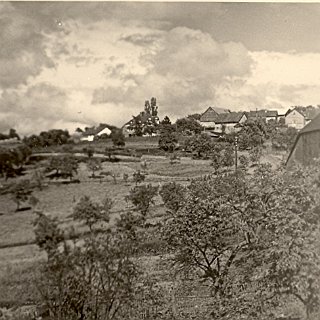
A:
(20, 258)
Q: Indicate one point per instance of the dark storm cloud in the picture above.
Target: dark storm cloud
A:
(259, 26)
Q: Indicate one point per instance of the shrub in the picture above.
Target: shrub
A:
(142, 197)
(138, 177)
(172, 195)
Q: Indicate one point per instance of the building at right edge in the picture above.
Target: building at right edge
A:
(306, 148)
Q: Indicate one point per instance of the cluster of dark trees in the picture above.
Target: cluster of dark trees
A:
(252, 238)
(12, 134)
(146, 123)
(13, 158)
(48, 138)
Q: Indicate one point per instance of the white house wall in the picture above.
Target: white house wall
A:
(87, 138)
(208, 124)
(104, 131)
(229, 127)
(295, 119)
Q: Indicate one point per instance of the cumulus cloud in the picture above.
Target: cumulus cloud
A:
(23, 51)
(182, 71)
(67, 64)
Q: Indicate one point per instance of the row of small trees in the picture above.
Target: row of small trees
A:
(98, 276)
(253, 239)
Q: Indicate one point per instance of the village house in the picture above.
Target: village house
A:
(266, 115)
(224, 122)
(298, 117)
(207, 118)
(307, 144)
(295, 118)
(92, 133)
(145, 121)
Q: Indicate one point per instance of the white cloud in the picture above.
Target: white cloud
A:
(103, 71)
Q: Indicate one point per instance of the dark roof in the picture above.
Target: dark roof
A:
(212, 112)
(313, 125)
(231, 117)
(308, 113)
(95, 130)
(143, 117)
(262, 113)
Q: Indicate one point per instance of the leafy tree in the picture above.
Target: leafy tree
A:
(201, 144)
(255, 154)
(284, 139)
(188, 126)
(94, 280)
(13, 134)
(125, 177)
(48, 236)
(228, 156)
(118, 138)
(244, 161)
(13, 159)
(91, 212)
(142, 197)
(136, 125)
(48, 138)
(217, 159)
(89, 152)
(21, 191)
(20, 154)
(166, 121)
(6, 163)
(252, 134)
(173, 195)
(64, 166)
(168, 139)
(138, 177)
(94, 165)
(38, 179)
(249, 237)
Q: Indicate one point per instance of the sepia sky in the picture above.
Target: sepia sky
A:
(70, 64)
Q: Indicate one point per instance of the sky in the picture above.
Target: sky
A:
(75, 64)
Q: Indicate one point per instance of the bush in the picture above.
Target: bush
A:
(142, 197)
(173, 195)
(138, 177)
(118, 138)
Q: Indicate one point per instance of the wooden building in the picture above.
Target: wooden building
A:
(307, 145)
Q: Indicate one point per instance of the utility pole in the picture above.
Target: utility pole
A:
(236, 152)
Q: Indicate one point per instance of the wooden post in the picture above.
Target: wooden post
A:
(236, 152)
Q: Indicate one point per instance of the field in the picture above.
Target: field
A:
(18, 253)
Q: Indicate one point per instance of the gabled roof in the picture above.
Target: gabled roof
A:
(296, 109)
(262, 113)
(211, 113)
(308, 113)
(231, 117)
(312, 126)
(143, 117)
(95, 130)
